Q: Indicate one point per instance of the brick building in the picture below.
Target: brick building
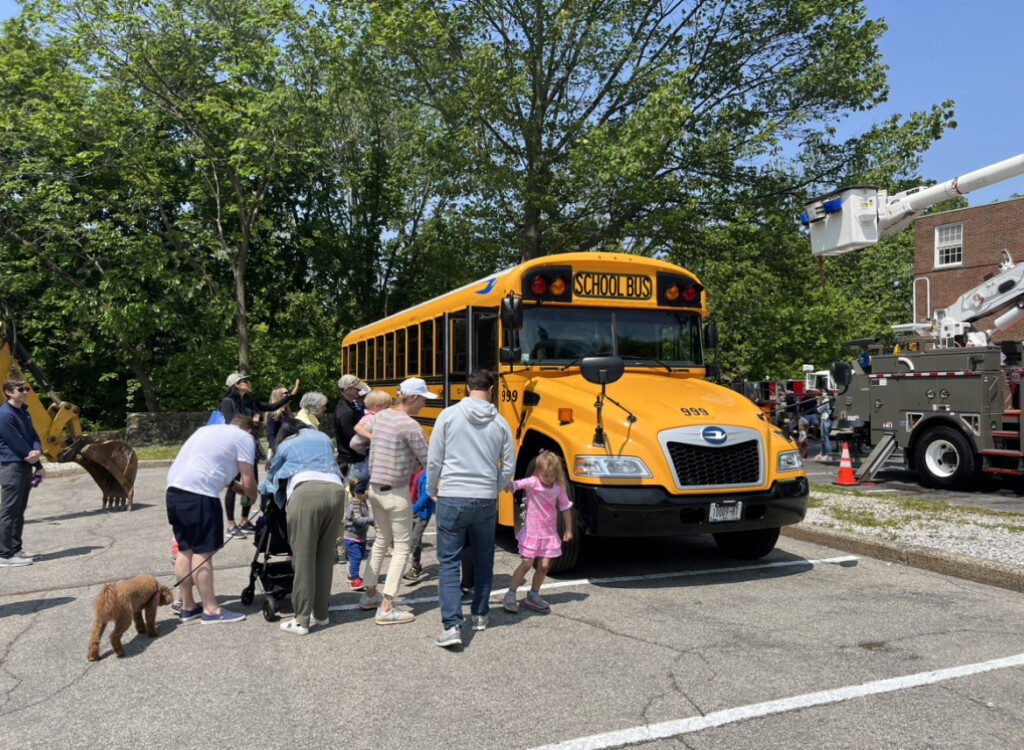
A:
(955, 250)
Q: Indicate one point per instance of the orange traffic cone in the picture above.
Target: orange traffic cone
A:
(846, 468)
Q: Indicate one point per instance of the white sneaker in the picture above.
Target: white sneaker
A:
(292, 626)
(450, 637)
(14, 562)
(314, 621)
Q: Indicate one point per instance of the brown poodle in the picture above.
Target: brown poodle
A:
(122, 602)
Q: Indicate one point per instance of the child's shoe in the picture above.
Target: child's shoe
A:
(509, 602)
(413, 574)
(356, 584)
(534, 602)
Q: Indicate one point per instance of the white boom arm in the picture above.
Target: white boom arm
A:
(858, 216)
(1004, 290)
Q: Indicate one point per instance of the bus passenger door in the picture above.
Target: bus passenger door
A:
(483, 338)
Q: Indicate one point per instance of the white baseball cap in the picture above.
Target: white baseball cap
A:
(235, 378)
(415, 387)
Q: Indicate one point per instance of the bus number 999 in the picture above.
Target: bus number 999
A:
(509, 396)
(694, 411)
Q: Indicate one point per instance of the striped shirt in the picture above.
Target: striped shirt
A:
(397, 441)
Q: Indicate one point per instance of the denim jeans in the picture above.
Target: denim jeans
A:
(462, 519)
(826, 441)
(356, 553)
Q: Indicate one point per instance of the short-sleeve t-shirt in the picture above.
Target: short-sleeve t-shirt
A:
(208, 460)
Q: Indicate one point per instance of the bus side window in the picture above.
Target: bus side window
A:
(413, 344)
(439, 363)
(400, 353)
(458, 339)
(427, 360)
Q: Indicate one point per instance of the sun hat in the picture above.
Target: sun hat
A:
(364, 390)
(415, 387)
(235, 378)
(350, 381)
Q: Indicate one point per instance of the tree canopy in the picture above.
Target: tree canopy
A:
(189, 188)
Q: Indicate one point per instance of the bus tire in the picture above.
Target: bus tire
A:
(944, 458)
(571, 549)
(747, 545)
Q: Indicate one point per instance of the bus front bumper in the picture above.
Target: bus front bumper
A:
(651, 511)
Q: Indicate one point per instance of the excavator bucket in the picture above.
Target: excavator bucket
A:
(113, 465)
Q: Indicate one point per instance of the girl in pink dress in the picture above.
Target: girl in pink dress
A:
(538, 539)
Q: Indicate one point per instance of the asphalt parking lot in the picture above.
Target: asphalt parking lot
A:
(652, 643)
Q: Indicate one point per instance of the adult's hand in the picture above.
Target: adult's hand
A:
(295, 388)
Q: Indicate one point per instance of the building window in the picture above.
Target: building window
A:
(949, 245)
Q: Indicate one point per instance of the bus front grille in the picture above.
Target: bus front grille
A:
(704, 466)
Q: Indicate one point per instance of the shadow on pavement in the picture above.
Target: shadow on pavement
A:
(31, 606)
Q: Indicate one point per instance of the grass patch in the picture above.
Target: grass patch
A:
(157, 451)
(904, 510)
(859, 518)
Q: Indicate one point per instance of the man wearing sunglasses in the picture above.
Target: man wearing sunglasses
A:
(20, 454)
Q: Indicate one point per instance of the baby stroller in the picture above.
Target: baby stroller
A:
(275, 577)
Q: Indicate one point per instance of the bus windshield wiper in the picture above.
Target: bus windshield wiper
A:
(652, 359)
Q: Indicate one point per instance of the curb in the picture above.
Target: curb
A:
(989, 572)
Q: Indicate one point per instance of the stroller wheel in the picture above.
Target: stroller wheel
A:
(269, 610)
(247, 595)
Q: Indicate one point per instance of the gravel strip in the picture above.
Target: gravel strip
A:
(962, 531)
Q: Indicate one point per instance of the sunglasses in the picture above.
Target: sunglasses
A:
(19, 390)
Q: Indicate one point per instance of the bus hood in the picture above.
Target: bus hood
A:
(657, 402)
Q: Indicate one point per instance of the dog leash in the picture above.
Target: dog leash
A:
(193, 571)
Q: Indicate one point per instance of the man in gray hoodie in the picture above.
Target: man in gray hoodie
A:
(472, 457)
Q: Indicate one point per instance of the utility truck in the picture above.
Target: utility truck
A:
(953, 408)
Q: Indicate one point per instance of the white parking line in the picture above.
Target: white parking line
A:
(732, 715)
(647, 577)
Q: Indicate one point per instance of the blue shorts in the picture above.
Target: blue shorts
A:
(197, 520)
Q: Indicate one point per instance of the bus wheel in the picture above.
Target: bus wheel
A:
(747, 545)
(944, 459)
(571, 549)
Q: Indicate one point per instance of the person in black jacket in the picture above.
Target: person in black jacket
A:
(238, 402)
(346, 414)
(21, 452)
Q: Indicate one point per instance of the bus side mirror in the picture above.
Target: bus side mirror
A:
(711, 335)
(510, 354)
(511, 313)
(602, 370)
(843, 373)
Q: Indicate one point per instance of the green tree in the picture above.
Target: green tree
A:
(216, 78)
(613, 123)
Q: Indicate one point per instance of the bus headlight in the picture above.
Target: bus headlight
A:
(621, 467)
(790, 461)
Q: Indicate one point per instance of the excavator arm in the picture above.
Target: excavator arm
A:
(112, 464)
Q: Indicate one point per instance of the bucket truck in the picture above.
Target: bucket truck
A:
(954, 409)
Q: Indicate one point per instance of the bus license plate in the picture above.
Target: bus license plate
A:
(725, 512)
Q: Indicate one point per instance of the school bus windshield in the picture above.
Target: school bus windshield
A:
(554, 335)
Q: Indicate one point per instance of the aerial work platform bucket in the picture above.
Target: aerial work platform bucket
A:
(113, 466)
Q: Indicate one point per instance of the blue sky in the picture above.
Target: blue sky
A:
(938, 50)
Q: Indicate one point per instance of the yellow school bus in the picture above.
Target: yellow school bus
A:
(601, 359)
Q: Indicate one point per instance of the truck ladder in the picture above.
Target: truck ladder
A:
(1006, 457)
(878, 456)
